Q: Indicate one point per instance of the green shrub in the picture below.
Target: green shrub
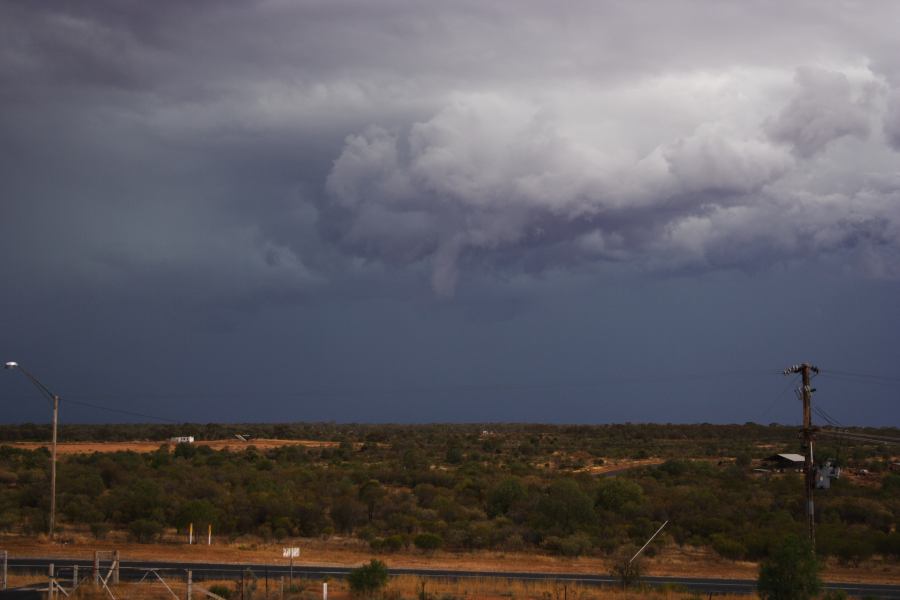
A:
(394, 543)
(369, 578)
(627, 571)
(572, 545)
(728, 547)
(890, 544)
(428, 541)
(504, 495)
(99, 530)
(615, 493)
(791, 572)
(221, 590)
(144, 531)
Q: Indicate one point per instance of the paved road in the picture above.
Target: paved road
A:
(135, 570)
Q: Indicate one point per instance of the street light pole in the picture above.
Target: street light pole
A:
(55, 400)
(53, 467)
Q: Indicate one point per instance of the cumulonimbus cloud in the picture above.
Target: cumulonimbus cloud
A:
(493, 175)
(822, 110)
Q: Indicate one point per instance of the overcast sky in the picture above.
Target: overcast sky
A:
(381, 210)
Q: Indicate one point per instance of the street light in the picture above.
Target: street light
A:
(55, 400)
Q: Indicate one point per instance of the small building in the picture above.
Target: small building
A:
(185, 439)
(793, 462)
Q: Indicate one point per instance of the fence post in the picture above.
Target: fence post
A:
(96, 567)
(115, 575)
(51, 587)
(281, 587)
(74, 576)
(189, 584)
(324, 590)
(5, 557)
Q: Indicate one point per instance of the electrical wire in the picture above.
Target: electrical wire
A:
(828, 418)
(862, 377)
(590, 384)
(120, 411)
(777, 398)
(859, 437)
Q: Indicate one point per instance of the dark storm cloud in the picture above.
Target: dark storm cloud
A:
(291, 175)
(473, 136)
(471, 131)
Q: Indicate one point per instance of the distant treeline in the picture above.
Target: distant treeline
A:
(460, 487)
(673, 435)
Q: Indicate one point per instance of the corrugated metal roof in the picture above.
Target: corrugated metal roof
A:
(792, 457)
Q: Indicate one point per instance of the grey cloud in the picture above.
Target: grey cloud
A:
(492, 176)
(824, 108)
(722, 163)
(246, 197)
(892, 121)
(481, 137)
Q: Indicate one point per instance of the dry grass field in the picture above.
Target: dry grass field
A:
(623, 464)
(400, 587)
(233, 445)
(671, 560)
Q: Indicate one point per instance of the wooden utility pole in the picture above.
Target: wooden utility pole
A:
(809, 467)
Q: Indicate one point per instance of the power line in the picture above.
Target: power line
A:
(826, 416)
(314, 393)
(777, 398)
(873, 377)
(120, 411)
(859, 437)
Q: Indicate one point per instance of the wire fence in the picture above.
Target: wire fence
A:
(79, 580)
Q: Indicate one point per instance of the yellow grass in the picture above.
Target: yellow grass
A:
(614, 464)
(400, 587)
(671, 560)
(493, 588)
